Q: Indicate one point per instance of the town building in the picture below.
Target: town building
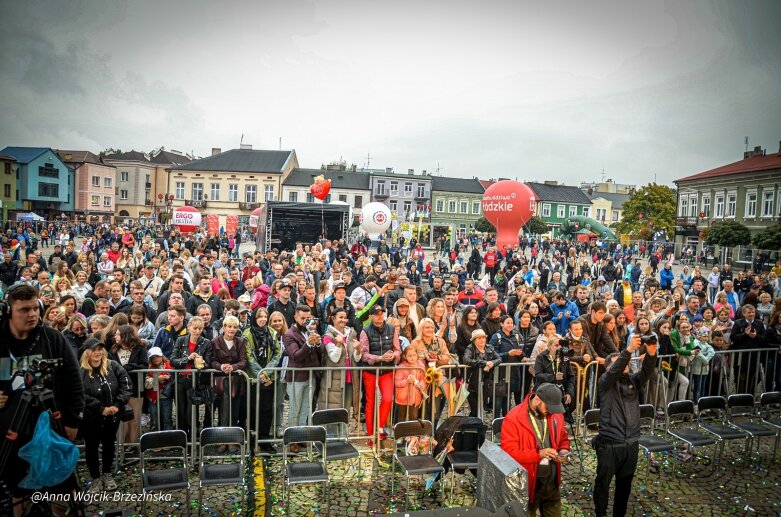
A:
(554, 203)
(408, 196)
(747, 191)
(231, 182)
(45, 184)
(456, 206)
(95, 182)
(347, 187)
(142, 182)
(607, 200)
(9, 194)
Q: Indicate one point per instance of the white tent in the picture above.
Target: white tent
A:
(32, 216)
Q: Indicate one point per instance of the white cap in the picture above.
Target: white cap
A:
(155, 350)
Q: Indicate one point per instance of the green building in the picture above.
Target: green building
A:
(456, 205)
(554, 203)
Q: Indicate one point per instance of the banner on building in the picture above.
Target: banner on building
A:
(213, 224)
(231, 224)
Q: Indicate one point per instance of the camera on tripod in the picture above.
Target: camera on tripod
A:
(39, 371)
(566, 351)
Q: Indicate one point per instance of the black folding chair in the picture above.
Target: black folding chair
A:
(419, 464)
(465, 459)
(171, 478)
(307, 471)
(650, 442)
(741, 413)
(496, 429)
(770, 411)
(713, 420)
(214, 470)
(337, 445)
(683, 410)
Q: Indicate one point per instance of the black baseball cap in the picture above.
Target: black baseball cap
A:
(377, 309)
(551, 395)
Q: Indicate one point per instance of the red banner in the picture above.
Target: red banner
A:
(213, 224)
(231, 224)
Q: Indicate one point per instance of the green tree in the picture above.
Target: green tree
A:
(536, 225)
(484, 226)
(109, 151)
(728, 233)
(769, 238)
(650, 209)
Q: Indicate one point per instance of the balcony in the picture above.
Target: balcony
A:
(686, 222)
(248, 206)
(195, 203)
(381, 194)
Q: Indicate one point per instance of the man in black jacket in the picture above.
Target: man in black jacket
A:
(619, 426)
(553, 368)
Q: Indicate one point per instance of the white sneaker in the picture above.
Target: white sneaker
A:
(145, 420)
(97, 486)
(108, 482)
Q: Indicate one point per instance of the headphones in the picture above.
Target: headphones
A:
(5, 307)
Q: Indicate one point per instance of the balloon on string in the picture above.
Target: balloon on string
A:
(320, 188)
(508, 205)
(186, 218)
(254, 218)
(375, 219)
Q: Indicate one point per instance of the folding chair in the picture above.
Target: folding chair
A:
(688, 435)
(770, 411)
(465, 459)
(419, 464)
(742, 414)
(590, 429)
(221, 474)
(650, 442)
(496, 429)
(713, 420)
(337, 445)
(172, 478)
(308, 471)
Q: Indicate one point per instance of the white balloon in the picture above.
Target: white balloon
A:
(375, 219)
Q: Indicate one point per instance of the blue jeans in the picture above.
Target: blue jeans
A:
(699, 383)
(166, 414)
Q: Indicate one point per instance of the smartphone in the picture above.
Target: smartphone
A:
(564, 454)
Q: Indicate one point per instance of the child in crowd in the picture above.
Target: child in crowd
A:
(159, 391)
(410, 381)
(700, 363)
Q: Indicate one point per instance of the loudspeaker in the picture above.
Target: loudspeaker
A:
(500, 479)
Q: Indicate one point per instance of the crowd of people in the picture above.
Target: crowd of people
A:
(167, 330)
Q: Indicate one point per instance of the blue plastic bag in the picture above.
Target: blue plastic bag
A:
(52, 458)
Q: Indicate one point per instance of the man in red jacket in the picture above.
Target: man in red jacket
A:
(533, 433)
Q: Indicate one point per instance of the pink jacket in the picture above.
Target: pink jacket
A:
(408, 394)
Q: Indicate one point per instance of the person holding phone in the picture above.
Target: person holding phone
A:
(533, 434)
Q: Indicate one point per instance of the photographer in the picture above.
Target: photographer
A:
(26, 341)
(580, 344)
(552, 366)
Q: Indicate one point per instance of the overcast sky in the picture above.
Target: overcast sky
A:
(527, 89)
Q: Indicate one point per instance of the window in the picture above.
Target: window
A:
(462, 229)
(95, 200)
(573, 210)
(251, 196)
(48, 171)
(615, 215)
(451, 206)
(560, 211)
(268, 192)
(107, 182)
(422, 191)
(7, 190)
(380, 190)
(342, 198)
(407, 207)
(106, 201)
(394, 188)
(95, 181)
(310, 198)
(394, 206)
(706, 206)
(123, 194)
(407, 189)
(440, 205)
(292, 197)
(48, 190)
(7, 168)
(148, 181)
(732, 201)
(751, 204)
(123, 176)
(215, 195)
(358, 202)
(684, 207)
(767, 204)
(546, 209)
(327, 199)
(693, 206)
(179, 193)
(719, 206)
(197, 191)
(464, 207)
(233, 192)
(475, 207)
(586, 211)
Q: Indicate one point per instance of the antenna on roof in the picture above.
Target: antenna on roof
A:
(438, 169)
(241, 141)
(603, 175)
(368, 160)
(280, 143)
(746, 142)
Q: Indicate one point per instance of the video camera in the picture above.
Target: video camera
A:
(566, 351)
(649, 340)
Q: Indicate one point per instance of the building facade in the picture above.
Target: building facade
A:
(44, 182)
(456, 206)
(557, 202)
(607, 200)
(747, 191)
(350, 187)
(408, 196)
(231, 182)
(95, 185)
(9, 193)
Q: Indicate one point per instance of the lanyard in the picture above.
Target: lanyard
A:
(541, 439)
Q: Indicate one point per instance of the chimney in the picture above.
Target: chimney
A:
(779, 146)
(388, 170)
(411, 172)
(246, 147)
(216, 151)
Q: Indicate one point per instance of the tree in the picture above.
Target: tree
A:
(650, 209)
(769, 238)
(536, 226)
(109, 152)
(484, 226)
(728, 234)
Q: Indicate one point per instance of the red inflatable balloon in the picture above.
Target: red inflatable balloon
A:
(186, 218)
(508, 205)
(320, 188)
(254, 218)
